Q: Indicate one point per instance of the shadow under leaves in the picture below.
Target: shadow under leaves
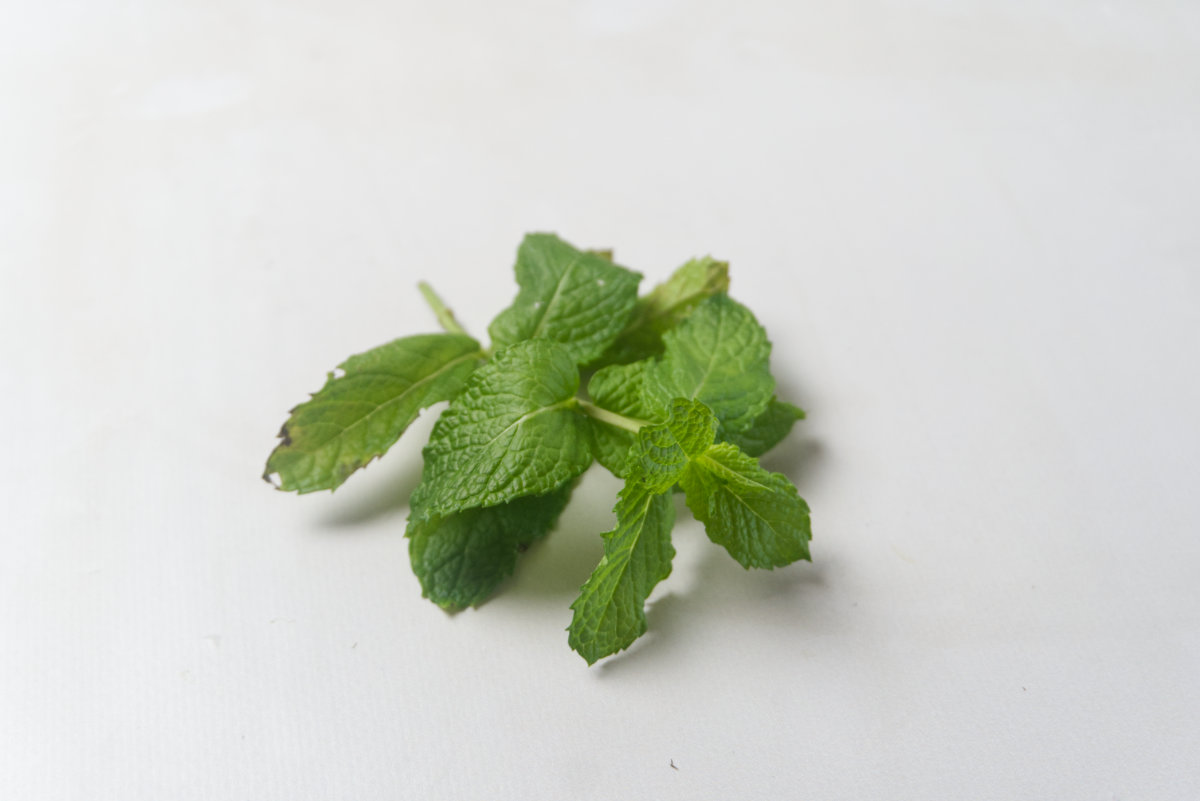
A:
(386, 496)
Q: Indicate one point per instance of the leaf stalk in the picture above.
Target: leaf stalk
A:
(612, 418)
(445, 317)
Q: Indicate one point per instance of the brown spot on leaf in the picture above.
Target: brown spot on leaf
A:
(344, 470)
(283, 435)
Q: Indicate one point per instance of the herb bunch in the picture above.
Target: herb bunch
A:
(679, 396)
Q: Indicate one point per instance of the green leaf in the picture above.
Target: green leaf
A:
(618, 388)
(756, 515)
(693, 426)
(719, 356)
(358, 416)
(575, 298)
(768, 430)
(666, 305)
(514, 430)
(675, 298)
(609, 613)
(461, 558)
(655, 458)
(610, 446)
(660, 453)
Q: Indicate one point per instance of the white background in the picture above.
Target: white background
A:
(970, 229)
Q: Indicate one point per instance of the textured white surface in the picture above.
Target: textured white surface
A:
(969, 227)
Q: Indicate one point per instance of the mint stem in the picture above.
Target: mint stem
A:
(612, 418)
(445, 317)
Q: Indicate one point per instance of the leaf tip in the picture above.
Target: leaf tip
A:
(587, 653)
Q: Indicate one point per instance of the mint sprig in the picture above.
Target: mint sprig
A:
(679, 396)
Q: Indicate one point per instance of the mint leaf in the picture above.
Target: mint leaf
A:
(675, 298)
(757, 516)
(513, 431)
(609, 613)
(660, 453)
(357, 417)
(618, 388)
(461, 558)
(692, 425)
(576, 298)
(768, 430)
(719, 356)
(666, 305)
(610, 446)
(621, 388)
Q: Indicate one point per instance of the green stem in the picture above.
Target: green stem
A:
(612, 418)
(445, 317)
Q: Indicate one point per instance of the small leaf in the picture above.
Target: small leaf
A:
(357, 417)
(618, 388)
(665, 306)
(621, 388)
(768, 430)
(609, 613)
(660, 453)
(693, 425)
(718, 356)
(610, 446)
(513, 431)
(461, 558)
(576, 298)
(756, 515)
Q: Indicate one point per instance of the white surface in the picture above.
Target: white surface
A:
(970, 229)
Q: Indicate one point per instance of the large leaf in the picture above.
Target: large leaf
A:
(514, 430)
(718, 356)
(359, 415)
(573, 297)
(461, 558)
